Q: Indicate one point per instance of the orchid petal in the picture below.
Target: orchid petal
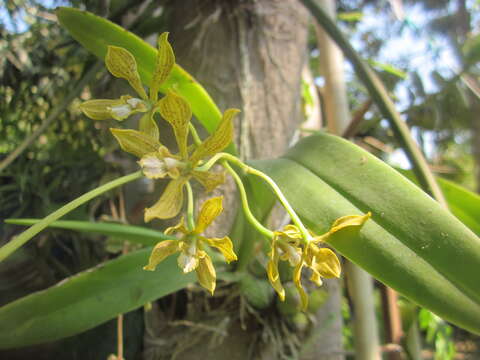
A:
(209, 211)
(219, 140)
(121, 63)
(170, 203)
(163, 66)
(225, 246)
(177, 111)
(209, 180)
(206, 273)
(135, 142)
(162, 250)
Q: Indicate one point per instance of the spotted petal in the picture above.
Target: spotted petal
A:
(209, 211)
(121, 63)
(170, 203)
(100, 109)
(178, 113)
(273, 275)
(219, 140)
(326, 263)
(290, 232)
(206, 273)
(343, 223)
(163, 66)
(180, 227)
(135, 142)
(148, 125)
(209, 180)
(162, 250)
(224, 245)
(297, 280)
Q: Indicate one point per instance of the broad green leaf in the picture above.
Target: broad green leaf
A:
(464, 204)
(134, 234)
(410, 243)
(88, 299)
(96, 34)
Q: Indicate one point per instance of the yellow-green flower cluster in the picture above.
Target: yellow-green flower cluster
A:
(289, 245)
(191, 246)
(193, 161)
(157, 161)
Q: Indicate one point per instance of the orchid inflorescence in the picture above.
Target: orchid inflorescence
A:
(294, 243)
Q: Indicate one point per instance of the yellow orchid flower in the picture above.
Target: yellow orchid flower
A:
(122, 64)
(287, 245)
(157, 162)
(177, 112)
(191, 246)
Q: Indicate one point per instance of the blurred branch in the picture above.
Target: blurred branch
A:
(358, 116)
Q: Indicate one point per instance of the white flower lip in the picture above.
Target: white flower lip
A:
(133, 102)
(121, 111)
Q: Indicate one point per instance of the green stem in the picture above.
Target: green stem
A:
(196, 138)
(190, 206)
(383, 101)
(246, 209)
(21, 239)
(219, 156)
(278, 192)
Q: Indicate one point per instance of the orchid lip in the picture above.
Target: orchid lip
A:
(121, 110)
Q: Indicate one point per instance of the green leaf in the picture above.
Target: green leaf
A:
(19, 240)
(462, 203)
(471, 49)
(88, 299)
(389, 68)
(410, 243)
(350, 16)
(134, 234)
(96, 34)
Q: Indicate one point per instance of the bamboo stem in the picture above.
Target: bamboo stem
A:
(367, 343)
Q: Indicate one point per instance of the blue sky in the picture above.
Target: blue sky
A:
(20, 22)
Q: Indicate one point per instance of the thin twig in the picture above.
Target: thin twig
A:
(358, 116)
(120, 337)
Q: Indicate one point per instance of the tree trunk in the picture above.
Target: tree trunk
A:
(249, 55)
